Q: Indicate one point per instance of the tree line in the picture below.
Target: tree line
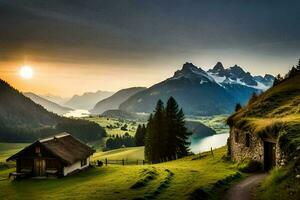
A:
(293, 71)
(118, 141)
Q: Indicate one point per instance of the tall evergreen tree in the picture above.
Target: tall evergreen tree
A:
(140, 135)
(238, 107)
(166, 136)
(149, 139)
(298, 65)
(172, 128)
(159, 131)
(182, 137)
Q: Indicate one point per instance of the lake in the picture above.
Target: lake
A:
(77, 113)
(204, 144)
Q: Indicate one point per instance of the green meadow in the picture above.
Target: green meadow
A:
(185, 178)
(115, 125)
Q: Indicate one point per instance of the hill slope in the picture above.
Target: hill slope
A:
(114, 101)
(87, 100)
(22, 120)
(48, 105)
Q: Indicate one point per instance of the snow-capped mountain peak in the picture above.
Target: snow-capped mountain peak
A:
(192, 72)
(237, 75)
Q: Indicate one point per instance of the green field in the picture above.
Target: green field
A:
(116, 124)
(180, 179)
(130, 153)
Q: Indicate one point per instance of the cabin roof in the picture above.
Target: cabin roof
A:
(64, 146)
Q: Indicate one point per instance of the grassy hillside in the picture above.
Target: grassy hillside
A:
(276, 113)
(187, 178)
(8, 149)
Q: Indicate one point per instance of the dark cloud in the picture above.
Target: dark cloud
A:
(123, 30)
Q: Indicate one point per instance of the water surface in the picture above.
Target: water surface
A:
(204, 144)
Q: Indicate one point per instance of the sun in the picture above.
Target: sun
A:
(26, 72)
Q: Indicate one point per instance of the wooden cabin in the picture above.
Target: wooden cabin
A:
(58, 156)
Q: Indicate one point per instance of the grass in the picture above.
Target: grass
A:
(176, 179)
(8, 149)
(280, 184)
(129, 153)
(116, 123)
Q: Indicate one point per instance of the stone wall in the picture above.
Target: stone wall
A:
(239, 150)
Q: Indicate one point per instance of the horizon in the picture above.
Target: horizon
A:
(15, 74)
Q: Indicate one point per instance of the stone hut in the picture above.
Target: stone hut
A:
(245, 145)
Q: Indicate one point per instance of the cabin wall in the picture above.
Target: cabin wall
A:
(75, 166)
(255, 151)
(239, 149)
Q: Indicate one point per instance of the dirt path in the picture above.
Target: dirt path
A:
(245, 189)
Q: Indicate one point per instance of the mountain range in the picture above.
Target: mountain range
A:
(48, 105)
(114, 101)
(22, 120)
(87, 100)
(201, 92)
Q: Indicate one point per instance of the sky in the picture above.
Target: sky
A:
(79, 46)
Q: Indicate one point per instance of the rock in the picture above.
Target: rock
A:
(298, 148)
(298, 176)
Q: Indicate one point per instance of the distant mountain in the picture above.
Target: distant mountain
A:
(88, 100)
(236, 75)
(199, 92)
(114, 101)
(48, 105)
(55, 98)
(22, 120)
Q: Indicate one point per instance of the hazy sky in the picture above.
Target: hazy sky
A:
(77, 46)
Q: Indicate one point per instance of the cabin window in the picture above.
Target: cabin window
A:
(83, 162)
(236, 138)
(37, 149)
(247, 140)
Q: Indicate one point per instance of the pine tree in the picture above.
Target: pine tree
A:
(176, 131)
(166, 135)
(298, 65)
(140, 135)
(238, 107)
(159, 133)
(137, 136)
(182, 136)
(172, 128)
(149, 139)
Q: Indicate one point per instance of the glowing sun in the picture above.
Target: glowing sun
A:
(26, 72)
